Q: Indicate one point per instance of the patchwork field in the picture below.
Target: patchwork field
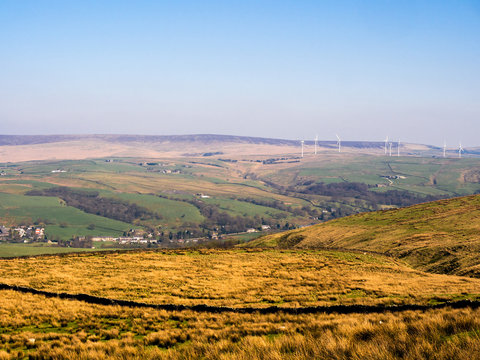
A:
(191, 194)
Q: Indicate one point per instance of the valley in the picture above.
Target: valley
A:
(217, 193)
(225, 254)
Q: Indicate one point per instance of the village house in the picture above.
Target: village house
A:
(4, 232)
(20, 231)
(103, 238)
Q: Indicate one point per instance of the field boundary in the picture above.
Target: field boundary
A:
(333, 309)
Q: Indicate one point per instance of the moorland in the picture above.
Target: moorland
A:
(39, 327)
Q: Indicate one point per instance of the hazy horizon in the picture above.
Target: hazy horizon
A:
(309, 141)
(285, 70)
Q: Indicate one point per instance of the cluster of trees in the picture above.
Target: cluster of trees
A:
(362, 191)
(346, 198)
(92, 203)
(221, 221)
(77, 242)
(278, 160)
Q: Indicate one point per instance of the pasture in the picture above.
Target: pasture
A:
(60, 220)
(246, 188)
(18, 250)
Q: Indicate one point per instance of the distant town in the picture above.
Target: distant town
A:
(134, 237)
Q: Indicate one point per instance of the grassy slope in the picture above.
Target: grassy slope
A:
(441, 236)
(172, 212)
(287, 278)
(20, 208)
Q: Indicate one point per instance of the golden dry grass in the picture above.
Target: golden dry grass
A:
(38, 328)
(238, 278)
(441, 236)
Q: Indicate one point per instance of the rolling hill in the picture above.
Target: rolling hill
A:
(438, 237)
(47, 147)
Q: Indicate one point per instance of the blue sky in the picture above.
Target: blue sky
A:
(284, 69)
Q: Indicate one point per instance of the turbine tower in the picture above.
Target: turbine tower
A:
(302, 142)
(316, 143)
(444, 149)
(386, 143)
(398, 148)
(339, 143)
(460, 150)
(390, 146)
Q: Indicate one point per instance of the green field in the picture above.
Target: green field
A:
(368, 169)
(15, 250)
(60, 220)
(174, 197)
(236, 207)
(171, 211)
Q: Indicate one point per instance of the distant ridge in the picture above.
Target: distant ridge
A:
(13, 140)
(120, 138)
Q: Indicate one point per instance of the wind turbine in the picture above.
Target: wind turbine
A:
(302, 142)
(339, 143)
(316, 142)
(386, 142)
(444, 148)
(390, 145)
(398, 148)
(460, 150)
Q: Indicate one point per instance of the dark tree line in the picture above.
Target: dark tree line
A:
(274, 204)
(223, 222)
(362, 191)
(92, 203)
(77, 242)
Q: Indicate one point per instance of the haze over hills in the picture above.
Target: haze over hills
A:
(47, 147)
(441, 236)
(132, 229)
